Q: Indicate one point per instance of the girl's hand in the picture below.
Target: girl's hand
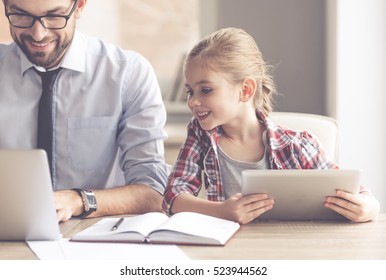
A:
(362, 207)
(244, 209)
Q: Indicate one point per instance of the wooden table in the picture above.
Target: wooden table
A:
(267, 241)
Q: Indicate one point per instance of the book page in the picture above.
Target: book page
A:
(199, 225)
(138, 225)
(143, 224)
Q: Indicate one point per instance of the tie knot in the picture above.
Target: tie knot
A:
(48, 77)
(47, 73)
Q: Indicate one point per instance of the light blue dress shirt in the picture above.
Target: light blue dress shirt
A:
(108, 115)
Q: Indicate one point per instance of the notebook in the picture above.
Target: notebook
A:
(300, 194)
(184, 228)
(27, 210)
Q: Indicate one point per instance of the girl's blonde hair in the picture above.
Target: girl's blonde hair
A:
(234, 52)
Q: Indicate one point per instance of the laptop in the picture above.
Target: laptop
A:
(27, 210)
(300, 194)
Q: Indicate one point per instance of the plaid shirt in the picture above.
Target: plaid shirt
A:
(287, 149)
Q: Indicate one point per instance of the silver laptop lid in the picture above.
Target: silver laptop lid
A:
(27, 210)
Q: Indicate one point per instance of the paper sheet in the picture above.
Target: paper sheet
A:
(64, 249)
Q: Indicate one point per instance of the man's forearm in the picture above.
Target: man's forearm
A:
(130, 199)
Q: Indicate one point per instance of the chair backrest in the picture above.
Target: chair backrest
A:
(324, 128)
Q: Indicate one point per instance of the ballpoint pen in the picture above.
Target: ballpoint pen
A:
(115, 227)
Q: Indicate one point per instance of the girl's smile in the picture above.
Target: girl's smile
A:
(201, 115)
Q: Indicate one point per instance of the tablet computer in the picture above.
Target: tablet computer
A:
(27, 210)
(300, 194)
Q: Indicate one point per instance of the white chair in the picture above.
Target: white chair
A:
(324, 128)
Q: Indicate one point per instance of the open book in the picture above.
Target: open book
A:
(181, 228)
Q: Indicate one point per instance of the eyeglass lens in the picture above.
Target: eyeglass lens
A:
(26, 21)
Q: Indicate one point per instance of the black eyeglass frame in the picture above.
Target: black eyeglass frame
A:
(39, 18)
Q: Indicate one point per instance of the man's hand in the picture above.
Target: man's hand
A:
(68, 203)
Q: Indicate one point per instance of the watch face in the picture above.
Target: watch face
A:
(91, 200)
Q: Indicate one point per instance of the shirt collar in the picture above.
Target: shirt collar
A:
(74, 59)
(277, 136)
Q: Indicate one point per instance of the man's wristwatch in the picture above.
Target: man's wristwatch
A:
(89, 202)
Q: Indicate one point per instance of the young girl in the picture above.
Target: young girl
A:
(229, 93)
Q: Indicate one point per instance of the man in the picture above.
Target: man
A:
(107, 111)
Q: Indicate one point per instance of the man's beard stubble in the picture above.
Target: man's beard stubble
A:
(41, 58)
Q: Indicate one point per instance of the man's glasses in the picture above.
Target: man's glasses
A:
(53, 22)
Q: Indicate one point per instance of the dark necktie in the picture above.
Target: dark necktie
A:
(45, 118)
